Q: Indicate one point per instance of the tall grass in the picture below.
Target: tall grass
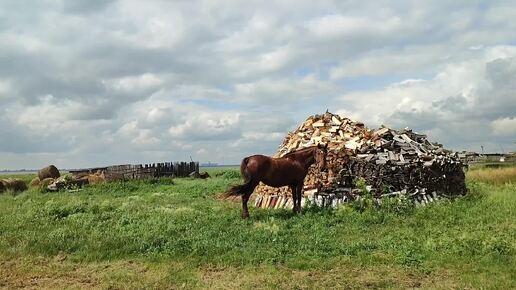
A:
(501, 175)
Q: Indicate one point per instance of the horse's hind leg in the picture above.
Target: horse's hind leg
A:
(245, 199)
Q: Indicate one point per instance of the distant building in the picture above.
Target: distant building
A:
(472, 157)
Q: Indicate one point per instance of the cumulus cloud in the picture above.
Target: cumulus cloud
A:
(86, 83)
(208, 127)
(138, 84)
(504, 127)
(337, 26)
(5, 89)
(466, 104)
(292, 91)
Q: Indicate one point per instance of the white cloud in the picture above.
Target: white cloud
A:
(252, 36)
(504, 127)
(378, 62)
(49, 115)
(131, 84)
(463, 104)
(208, 126)
(339, 26)
(5, 89)
(147, 25)
(289, 90)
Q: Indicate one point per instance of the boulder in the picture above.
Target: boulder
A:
(49, 171)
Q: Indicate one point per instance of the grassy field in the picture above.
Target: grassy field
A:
(493, 175)
(179, 234)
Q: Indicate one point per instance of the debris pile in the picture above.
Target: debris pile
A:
(138, 171)
(50, 179)
(390, 162)
(202, 175)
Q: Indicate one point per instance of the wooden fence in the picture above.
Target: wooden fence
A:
(129, 171)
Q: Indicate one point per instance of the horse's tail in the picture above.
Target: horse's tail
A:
(248, 182)
(243, 169)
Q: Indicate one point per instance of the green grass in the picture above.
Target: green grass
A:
(178, 233)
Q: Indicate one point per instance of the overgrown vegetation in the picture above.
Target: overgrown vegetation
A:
(180, 234)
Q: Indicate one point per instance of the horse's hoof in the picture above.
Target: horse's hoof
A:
(245, 215)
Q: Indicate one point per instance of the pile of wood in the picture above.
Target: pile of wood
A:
(404, 160)
(389, 161)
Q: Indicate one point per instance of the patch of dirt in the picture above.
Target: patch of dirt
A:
(44, 273)
(342, 277)
(61, 272)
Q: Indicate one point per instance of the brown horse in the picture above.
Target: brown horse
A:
(289, 170)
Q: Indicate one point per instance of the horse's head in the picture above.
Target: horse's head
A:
(320, 156)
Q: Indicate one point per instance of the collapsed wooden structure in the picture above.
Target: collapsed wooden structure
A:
(138, 171)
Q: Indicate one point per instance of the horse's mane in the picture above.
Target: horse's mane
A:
(299, 151)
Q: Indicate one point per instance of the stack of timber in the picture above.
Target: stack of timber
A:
(390, 162)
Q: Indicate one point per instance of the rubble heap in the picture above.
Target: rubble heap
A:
(390, 162)
(50, 179)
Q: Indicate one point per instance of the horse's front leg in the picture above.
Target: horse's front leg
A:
(293, 189)
(299, 194)
(296, 196)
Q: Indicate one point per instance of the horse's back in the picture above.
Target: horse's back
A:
(274, 171)
(258, 162)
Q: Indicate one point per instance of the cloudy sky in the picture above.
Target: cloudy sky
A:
(98, 82)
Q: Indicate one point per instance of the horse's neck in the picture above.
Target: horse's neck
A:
(306, 158)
